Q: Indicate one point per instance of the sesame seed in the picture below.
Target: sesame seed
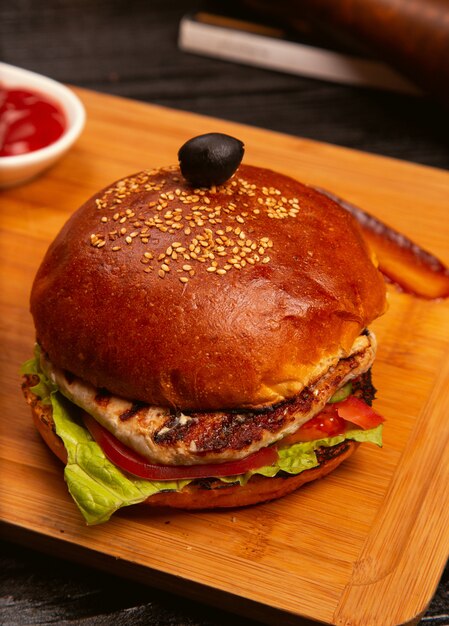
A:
(184, 279)
(214, 241)
(161, 273)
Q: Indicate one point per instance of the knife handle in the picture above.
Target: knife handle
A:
(410, 35)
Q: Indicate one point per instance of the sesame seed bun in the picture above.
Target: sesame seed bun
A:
(204, 299)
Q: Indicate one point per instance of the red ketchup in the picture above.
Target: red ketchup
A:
(28, 121)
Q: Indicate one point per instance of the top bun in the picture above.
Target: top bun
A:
(231, 296)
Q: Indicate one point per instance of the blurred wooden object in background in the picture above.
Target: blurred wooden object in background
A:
(411, 35)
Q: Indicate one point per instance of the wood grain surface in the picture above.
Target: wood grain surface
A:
(365, 546)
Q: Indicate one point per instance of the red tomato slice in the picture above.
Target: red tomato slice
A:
(131, 462)
(326, 424)
(358, 412)
(333, 420)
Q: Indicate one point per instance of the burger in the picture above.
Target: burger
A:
(202, 337)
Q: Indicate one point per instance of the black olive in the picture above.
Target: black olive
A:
(210, 159)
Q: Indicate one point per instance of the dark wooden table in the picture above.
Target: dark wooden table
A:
(129, 48)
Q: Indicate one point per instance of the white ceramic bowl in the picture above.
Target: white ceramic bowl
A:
(18, 169)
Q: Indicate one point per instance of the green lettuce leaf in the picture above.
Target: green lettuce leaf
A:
(99, 488)
(44, 387)
(301, 456)
(341, 394)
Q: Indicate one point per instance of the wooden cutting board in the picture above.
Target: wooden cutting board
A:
(367, 545)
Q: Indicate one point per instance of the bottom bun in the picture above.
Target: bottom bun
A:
(205, 493)
(257, 490)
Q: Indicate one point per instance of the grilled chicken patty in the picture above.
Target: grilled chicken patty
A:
(172, 437)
